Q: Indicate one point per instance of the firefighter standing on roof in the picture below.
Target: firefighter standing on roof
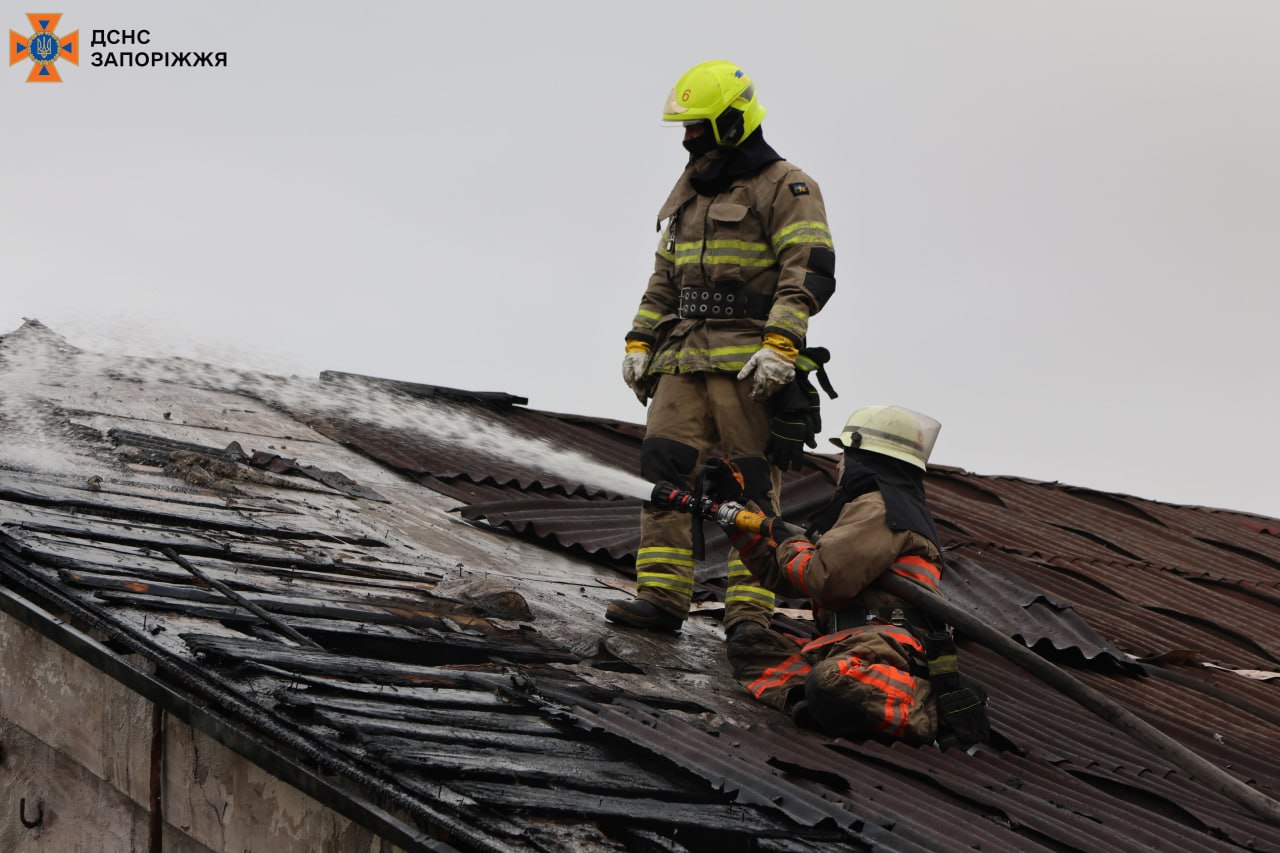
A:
(744, 259)
(879, 669)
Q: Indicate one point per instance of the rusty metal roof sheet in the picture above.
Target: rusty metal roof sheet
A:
(1018, 608)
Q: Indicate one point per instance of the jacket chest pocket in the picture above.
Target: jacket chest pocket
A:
(735, 250)
(726, 219)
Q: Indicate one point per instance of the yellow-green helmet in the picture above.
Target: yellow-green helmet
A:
(718, 92)
(891, 431)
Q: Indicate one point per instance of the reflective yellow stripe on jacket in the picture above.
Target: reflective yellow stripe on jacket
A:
(736, 252)
(721, 358)
(808, 233)
(791, 320)
(645, 319)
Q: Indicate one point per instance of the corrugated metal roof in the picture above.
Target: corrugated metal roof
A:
(544, 728)
(1009, 603)
(1138, 631)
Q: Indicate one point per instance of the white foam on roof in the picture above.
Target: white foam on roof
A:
(42, 373)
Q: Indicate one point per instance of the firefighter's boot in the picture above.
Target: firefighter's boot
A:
(638, 613)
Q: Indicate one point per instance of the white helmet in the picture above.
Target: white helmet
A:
(891, 431)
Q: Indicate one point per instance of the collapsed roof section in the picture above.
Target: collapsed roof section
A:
(285, 556)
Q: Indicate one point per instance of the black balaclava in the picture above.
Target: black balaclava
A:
(702, 144)
(901, 484)
(715, 167)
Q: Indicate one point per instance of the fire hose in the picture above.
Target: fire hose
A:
(729, 514)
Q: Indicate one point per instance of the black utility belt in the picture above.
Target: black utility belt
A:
(708, 302)
(861, 617)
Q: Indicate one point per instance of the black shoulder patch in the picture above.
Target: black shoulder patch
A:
(799, 188)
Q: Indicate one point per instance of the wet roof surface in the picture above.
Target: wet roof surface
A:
(454, 668)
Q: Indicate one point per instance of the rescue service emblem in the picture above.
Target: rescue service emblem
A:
(44, 48)
(799, 188)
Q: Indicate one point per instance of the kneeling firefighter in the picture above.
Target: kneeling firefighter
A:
(880, 668)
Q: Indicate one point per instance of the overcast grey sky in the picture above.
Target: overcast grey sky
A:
(1055, 223)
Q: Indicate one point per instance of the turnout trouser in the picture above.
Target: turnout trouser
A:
(859, 682)
(690, 415)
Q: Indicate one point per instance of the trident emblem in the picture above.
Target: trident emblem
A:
(44, 47)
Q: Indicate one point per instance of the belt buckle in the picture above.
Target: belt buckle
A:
(898, 617)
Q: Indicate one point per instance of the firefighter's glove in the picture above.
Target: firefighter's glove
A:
(962, 714)
(795, 424)
(724, 481)
(813, 401)
(770, 369)
(962, 701)
(633, 365)
(788, 434)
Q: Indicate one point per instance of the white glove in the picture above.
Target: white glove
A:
(769, 373)
(633, 364)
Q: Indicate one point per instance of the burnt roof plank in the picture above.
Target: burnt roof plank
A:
(306, 661)
(577, 774)
(349, 637)
(317, 608)
(472, 681)
(391, 705)
(384, 732)
(246, 578)
(96, 529)
(317, 605)
(241, 557)
(393, 643)
(55, 488)
(730, 818)
(177, 507)
(158, 514)
(366, 587)
(398, 737)
(501, 823)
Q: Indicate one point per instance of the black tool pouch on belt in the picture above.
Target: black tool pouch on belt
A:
(962, 701)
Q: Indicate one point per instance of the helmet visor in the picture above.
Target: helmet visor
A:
(672, 109)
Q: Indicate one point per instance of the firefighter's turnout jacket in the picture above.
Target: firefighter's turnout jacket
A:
(752, 259)
(863, 678)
